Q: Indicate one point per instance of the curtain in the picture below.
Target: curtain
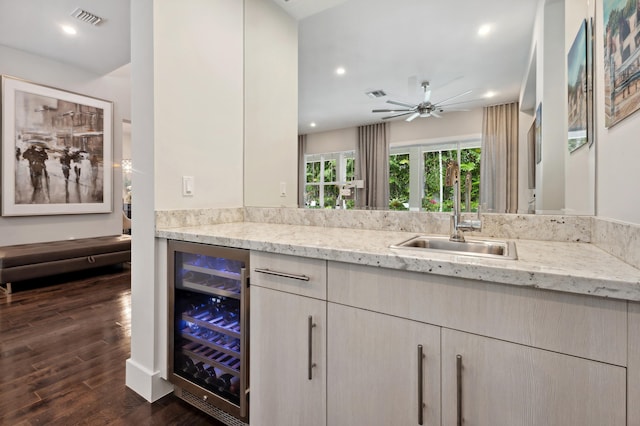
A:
(372, 166)
(302, 171)
(499, 159)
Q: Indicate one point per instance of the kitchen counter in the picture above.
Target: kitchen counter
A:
(579, 268)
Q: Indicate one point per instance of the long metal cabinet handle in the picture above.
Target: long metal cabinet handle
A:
(311, 363)
(459, 388)
(282, 274)
(420, 389)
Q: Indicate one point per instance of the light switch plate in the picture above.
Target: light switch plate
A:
(188, 186)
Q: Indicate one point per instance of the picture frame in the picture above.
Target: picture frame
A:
(538, 133)
(577, 90)
(620, 47)
(591, 111)
(57, 151)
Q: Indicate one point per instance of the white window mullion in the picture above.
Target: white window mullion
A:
(416, 178)
(441, 182)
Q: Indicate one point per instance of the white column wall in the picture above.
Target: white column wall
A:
(271, 106)
(550, 87)
(198, 108)
(143, 368)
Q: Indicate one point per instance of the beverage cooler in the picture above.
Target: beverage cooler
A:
(209, 328)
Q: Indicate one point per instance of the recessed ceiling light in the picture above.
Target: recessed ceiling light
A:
(69, 30)
(312, 124)
(489, 94)
(484, 30)
(340, 71)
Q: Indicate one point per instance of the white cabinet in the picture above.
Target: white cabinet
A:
(288, 369)
(505, 384)
(633, 385)
(375, 369)
(527, 357)
(288, 341)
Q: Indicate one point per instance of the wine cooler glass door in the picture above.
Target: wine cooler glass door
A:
(208, 323)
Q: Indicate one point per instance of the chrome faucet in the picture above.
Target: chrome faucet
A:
(457, 225)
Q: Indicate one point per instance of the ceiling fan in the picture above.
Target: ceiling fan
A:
(423, 109)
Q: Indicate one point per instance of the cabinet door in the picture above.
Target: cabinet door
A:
(282, 347)
(505, 384)
(373, 369)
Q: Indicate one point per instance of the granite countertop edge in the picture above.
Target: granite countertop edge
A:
(579, 268)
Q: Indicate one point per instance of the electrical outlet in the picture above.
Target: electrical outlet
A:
(188, 186)
(283, 189)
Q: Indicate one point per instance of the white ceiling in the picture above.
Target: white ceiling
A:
(391, 45)
(394, 45)
(34, 27)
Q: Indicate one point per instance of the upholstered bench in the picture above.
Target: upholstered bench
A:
(27, 261)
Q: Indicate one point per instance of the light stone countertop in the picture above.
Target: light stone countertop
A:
(580, 268)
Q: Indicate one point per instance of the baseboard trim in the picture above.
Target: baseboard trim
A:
(145, 382)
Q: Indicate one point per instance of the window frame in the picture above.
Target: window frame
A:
(341, 158)
(417, 176)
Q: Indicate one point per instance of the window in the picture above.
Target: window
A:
(417, 174)
(325, 174)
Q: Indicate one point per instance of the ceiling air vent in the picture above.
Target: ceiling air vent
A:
(376, 93)
(87, 17)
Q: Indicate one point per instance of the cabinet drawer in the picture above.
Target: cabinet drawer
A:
(293, 274)
(584, 326)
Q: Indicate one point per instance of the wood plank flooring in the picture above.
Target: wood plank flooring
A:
(63, 346)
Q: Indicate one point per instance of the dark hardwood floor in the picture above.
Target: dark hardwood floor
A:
(63, 346)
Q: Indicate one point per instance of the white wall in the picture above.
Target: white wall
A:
(115, 88)
(198, 47)
(332, 141)
(271, 106)
(525, 195)
(550, 89)
(451, 126)
(618, 152)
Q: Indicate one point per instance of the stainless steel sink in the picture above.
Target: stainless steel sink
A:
(470, 247)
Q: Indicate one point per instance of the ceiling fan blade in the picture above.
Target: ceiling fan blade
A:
(397, 115)
(401, 104)
(455, 110)
(391, 110)
(436, 115)
(440, 105)
(453, 97)
(413, 116)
